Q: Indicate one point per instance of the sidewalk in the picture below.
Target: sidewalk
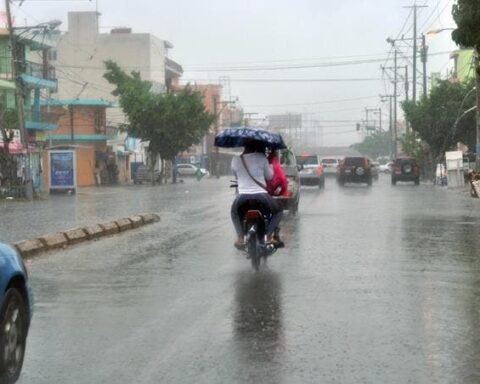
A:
(22, 219)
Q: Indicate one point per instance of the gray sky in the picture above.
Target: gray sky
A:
(212, 34)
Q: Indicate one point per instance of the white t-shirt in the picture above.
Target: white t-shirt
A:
(258, 166)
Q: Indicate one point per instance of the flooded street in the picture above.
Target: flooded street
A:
(375, 285)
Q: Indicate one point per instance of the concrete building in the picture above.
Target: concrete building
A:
(39, 81)
(463, 65)
(82, 127)
(80, 56)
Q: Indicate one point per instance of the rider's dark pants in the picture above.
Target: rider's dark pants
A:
(263, 198)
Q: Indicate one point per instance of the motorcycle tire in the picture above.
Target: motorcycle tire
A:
(254, 252)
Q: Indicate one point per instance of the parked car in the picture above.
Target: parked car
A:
(386, 168)
(354, 170)
(330, 165)
(405, 169)
(291, 169)
(190, 170)
(311, 170)
(15, 314)
(143, 174)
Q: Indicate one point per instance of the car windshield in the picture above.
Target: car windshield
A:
(329, 161)
(405, 161)
(355, 161)
(307, 160)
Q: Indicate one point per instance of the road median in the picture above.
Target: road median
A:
(60, 240)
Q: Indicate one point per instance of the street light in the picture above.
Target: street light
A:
(434, 32)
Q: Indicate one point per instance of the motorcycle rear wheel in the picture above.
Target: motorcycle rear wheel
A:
(254, 252)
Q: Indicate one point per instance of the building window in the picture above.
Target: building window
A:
(99, 122)
(52, 55)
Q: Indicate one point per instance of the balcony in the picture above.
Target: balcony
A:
(38, 75)
(41, 71)
(6, 72)
(34, 74)
(40, 120)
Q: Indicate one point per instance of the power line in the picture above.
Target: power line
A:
(240, 63)
(311, 103)
(438, 15)
(297, 80)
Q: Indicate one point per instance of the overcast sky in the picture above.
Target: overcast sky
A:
(212, 34)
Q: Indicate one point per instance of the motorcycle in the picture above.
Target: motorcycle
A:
(255, 222)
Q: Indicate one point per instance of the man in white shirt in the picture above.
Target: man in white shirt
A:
(252, 175)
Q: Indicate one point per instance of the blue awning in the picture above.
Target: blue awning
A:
(37, 82)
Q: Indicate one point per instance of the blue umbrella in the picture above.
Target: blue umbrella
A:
(236, 137)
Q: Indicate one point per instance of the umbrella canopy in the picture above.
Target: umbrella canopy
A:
(236, 137)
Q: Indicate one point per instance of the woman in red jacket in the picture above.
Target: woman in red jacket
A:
(278, 185)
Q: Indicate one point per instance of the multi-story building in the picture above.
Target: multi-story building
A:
(82, 128)
(38, 81)
(80, 61)
(463, 65)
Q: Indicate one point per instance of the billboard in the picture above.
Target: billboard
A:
(62, 169)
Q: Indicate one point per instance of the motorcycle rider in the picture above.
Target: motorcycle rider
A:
(252, 170)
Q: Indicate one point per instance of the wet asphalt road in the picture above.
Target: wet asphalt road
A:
(377, 285)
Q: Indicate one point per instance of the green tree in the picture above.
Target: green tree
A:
(376, 145)
(170, 122)
(466, 14)
(436, 118)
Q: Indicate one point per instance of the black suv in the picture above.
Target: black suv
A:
(405, 169)
(355, 170)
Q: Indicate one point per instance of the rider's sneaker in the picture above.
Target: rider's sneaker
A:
(239, 243)
(272, 240)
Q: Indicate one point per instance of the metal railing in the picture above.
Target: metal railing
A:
(27, 67)
(41, 116)
(6, 72)
(38, 70)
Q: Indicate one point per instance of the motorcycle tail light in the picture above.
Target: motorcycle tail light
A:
(252, 215)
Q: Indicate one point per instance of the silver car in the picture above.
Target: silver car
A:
(330, 165)
(190, 170)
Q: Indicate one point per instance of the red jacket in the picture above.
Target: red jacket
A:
(278, 186)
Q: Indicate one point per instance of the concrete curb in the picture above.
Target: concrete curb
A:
(33, 247)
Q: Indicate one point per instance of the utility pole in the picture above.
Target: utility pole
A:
(415, 8)
(395, 149)
(477, 79)
(366, 120)
(72, 131)
(217, 153)
(20, 102)
(390, 120)
(406, 83)
(424, 61)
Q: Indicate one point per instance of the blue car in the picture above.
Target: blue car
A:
(16, 303)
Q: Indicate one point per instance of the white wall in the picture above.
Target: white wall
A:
(82, 51)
